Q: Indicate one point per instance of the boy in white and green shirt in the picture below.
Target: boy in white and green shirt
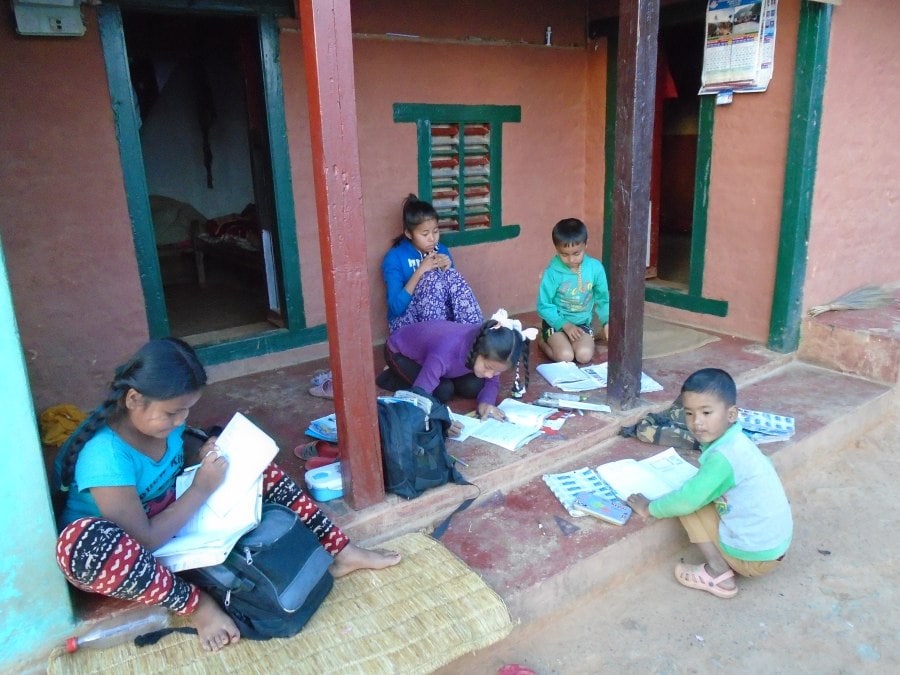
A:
(734, 508)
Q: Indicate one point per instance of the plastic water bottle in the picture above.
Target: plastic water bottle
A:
(121, 628)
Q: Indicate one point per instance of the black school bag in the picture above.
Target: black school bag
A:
(413, 446)
(274, 579)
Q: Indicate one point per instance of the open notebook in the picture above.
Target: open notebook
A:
(233, 509)
(524, 422)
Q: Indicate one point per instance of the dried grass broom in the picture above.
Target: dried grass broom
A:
(865, 297)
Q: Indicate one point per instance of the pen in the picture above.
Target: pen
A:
(457, 460)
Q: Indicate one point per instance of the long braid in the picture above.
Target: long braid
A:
(519, 389)
(161, 370)
(478, 345)
(505, 345)
(99, 417)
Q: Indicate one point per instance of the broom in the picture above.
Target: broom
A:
(865, 297)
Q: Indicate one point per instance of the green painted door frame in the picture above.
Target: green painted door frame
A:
(800, 175)
(692, 298)
(295, 333)
(800, 172)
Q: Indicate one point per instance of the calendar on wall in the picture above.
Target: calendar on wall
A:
(739, 46)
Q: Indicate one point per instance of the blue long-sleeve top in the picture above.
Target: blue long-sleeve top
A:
(397, 266)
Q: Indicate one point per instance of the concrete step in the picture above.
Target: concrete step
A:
(864, 342)
(538, 558)
(493, 468)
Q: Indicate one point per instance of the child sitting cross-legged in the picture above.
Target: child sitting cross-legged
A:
(734, 509)
(117, 473)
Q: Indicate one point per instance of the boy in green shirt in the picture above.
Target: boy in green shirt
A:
(734, 509)
(572, 289)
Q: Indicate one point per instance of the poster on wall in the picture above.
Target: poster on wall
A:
(739, 50)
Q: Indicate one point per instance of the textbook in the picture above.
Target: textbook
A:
(524, 422)
(324, 428)
(765, 427)
(599, 373)
(567, 376)
(653, 477)
(233, 509)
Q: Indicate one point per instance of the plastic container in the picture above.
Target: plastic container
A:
(121, 628)
(325, 483)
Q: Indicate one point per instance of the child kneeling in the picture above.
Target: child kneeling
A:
(734, 509)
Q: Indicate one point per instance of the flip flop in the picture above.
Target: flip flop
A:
(319, 377)
(315, 449)
(323, 390)
(696, 576)
(319, 462)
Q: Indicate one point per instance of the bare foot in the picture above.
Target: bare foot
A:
(354, 558)
(214, 627)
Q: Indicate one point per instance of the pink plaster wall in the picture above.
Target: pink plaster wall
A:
(855, 232)
(63, 206)
(543, 155)
(550, 160)
(747, 186)
(63, 219)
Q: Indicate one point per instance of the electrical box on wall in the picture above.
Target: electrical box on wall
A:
(49, 17)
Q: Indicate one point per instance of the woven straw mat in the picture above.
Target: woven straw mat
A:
(411, 618)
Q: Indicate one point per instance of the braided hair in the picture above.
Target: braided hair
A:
(504, 345)
(160, 370)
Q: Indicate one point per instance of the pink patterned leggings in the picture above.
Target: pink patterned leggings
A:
(98, 556)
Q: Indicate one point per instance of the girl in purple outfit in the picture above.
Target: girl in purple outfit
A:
(449, 359)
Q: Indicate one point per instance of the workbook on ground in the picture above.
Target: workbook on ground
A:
(524, 422)
(233, 509)
(568, 486)
(765, 427)
(652, 477)
(569, 377)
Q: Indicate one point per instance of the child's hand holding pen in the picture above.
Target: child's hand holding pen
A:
(212, 468)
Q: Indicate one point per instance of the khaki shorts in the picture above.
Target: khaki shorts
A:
(703, 526)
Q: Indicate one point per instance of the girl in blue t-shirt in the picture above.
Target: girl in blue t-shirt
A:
(117, 473)
(421, 282)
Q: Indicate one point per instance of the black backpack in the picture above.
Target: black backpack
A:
(412, 447)
(274, 579)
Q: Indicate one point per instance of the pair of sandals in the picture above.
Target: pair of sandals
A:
(321, 385)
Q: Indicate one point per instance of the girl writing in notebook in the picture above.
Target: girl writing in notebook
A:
(448, 359)
(117, 473)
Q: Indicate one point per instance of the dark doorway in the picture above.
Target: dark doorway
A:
(197, 84)
(678, 107)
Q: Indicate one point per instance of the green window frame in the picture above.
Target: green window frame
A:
(460, 167)
(691, 298)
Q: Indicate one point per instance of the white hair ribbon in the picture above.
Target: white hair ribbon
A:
(503, 320)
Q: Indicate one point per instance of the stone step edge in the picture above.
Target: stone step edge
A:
(395, 516)
(661, 539)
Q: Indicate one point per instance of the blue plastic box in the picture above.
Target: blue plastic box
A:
(325, 483)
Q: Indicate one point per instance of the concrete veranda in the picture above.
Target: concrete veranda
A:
(516, 535)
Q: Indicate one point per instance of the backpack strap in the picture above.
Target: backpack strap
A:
(445, 523)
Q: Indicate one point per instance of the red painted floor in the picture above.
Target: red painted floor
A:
(517, 536)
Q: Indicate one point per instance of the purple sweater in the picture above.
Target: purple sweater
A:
(441, 348)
